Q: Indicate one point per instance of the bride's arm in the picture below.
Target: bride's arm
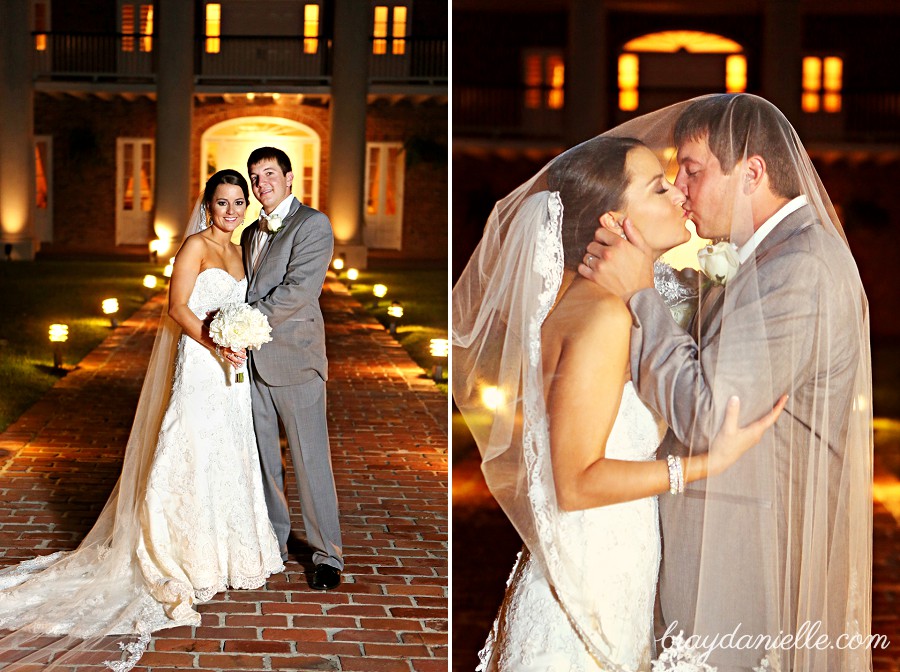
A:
(185, 271)
(582, 414)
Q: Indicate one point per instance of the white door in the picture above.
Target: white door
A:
(43, 188)
(384, 195)
(134, 190)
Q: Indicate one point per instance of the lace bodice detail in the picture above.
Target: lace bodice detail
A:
(214, 288)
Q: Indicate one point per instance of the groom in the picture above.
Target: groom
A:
(737, 149)
(286, 254)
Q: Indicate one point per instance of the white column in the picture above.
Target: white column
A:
(587, 100)
(782, 58)
(174, 113)
(16, 131)
(349, 85)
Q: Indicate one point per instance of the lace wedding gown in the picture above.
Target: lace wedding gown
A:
(617, 549)
(204, 525)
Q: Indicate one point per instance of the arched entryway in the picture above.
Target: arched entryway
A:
(659, 69)
(229, 143)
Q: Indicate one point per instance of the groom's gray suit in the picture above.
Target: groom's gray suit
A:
(289, 373)
(806, 279)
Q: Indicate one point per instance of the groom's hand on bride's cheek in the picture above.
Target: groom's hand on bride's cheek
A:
(619, 265)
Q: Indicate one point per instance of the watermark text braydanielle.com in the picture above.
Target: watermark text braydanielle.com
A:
(808, 636)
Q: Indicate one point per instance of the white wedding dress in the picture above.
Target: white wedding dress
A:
(616, 550)
(203, 522)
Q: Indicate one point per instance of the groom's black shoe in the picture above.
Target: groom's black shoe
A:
(326, 577)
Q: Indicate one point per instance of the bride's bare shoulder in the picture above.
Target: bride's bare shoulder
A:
(588, 312)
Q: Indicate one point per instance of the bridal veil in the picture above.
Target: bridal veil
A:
(768, 565)
(93, 605)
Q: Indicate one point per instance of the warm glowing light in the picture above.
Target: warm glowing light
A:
(492, 398)
(276, 96)
(338, 264)
(735, 74)
(557, 79)
(834, 73)
(691, 41)
(831, 102)
(380, 30)
(353, 275)
(147, 27)
(380, 291)
(629, 77)
(395, 310)
(150, 281)
(167, 271)
(157, 245)
(110, 306)
(251, 96)
(59, 333)
(310, 29)
(810, 102)
(171, 261)
(812, 73)
(213, 27)
(399, 32)
(438, 347)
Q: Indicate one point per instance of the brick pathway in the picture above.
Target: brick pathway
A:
(485, 546)
(388, 427)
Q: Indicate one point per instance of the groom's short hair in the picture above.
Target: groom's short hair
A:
(733, 124)
(273, 153)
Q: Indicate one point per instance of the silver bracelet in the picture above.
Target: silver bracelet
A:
(676, 474)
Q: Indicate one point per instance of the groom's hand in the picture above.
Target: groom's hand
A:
(623, 266)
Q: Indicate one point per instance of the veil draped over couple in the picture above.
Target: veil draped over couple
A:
(199, 506)
(676, 511)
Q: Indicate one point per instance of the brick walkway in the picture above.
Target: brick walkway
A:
(388, 427)
(486, 545)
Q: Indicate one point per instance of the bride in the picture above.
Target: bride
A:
(568, 448)
(187, 518)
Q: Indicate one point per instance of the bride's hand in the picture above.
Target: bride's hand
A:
(732, 441)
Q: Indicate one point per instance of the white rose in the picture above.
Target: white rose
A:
(274, 223)
(719, 262)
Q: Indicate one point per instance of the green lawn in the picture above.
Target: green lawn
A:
(36, 294)
(422, 292)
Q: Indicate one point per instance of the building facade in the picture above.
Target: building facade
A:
(562, 71)
(120, 110)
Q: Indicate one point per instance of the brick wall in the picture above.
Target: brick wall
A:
(423, 129)
(84, 132)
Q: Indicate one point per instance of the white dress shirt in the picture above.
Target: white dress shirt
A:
(260, 238)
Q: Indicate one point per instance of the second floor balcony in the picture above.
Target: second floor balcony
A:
(234, 60)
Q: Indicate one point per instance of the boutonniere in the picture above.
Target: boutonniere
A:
(719, 262)
(271, 224)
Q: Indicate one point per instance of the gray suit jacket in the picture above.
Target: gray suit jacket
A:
(782, 319)
(286, 286)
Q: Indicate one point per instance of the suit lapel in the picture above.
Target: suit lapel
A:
(273, 239)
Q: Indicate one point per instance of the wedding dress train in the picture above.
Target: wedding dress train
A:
(202, 523)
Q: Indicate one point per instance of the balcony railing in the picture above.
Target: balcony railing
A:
(502, 112)
(408, 60)
(239, 60)
(95, 57)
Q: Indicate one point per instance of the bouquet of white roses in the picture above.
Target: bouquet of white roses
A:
(239, 325)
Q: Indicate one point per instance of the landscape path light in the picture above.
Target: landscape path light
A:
(111, 307)
(439, 348)
(59, 334)
(395, 312)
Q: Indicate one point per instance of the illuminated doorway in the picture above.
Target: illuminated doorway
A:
(229, 143)
(384, 195)
(134, 190)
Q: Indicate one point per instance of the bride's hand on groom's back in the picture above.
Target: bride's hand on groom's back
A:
(733, 441)
(618, 259)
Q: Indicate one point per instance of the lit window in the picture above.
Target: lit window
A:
(147, 27)
(735, 74)
(399, 31)
(545, 78)
(310, 29)
(41, 191)
(629, 77)
(41, 25)
(380, 30)
(127, 27)
(822, 84)
(213, 28)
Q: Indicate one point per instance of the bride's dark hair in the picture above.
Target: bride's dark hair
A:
(226, 176)
(591, 179)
